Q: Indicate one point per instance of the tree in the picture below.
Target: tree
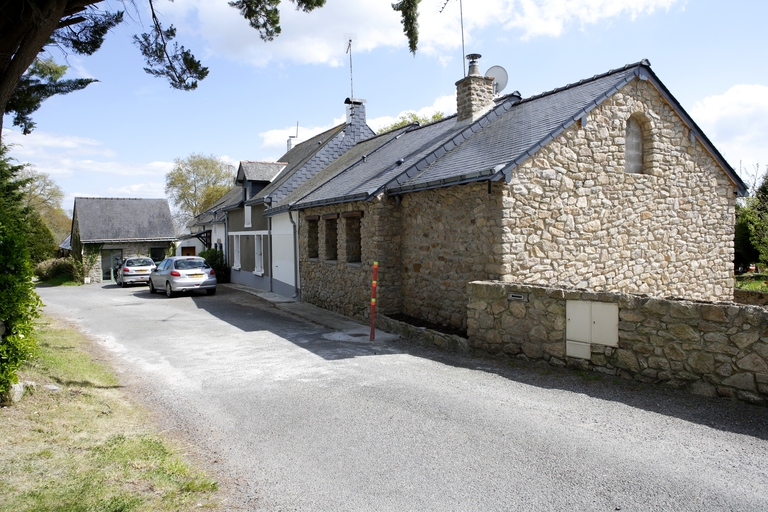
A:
(28, 26)
(44, 196)
(41, 81)
(410, 118)
(196, 182)
(19, 305)
(754, 214)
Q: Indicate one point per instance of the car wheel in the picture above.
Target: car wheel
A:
(211, 291)
(152, 288)
(168, 289)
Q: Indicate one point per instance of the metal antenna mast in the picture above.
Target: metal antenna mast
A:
(461, 17)
(351, 84)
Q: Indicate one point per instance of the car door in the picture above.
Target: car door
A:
(157, 277)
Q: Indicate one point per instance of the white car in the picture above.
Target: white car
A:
(182, 274)
(134, 270)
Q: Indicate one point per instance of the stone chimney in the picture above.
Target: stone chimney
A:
(355, 118)
(474, 93)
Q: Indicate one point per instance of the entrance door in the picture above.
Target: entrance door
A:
(188, 251)
(110, 262)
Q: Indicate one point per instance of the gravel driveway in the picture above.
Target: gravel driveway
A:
(290, 415)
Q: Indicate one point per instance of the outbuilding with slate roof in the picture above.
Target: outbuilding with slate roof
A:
(606, 185)
(105, 231)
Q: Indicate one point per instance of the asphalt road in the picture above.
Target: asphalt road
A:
(292, 416)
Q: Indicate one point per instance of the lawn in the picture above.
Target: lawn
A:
(77, 442)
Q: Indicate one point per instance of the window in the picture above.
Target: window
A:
(331, 238)
(633, 158)
(247, 216)
(236, 255)
(258, 267)
(353, 241)
(312, 239)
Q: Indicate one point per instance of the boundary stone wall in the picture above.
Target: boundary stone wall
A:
(711, 349)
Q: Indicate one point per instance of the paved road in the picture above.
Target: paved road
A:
(294, 416)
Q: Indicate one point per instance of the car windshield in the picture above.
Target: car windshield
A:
(190, 263)
(140, 262)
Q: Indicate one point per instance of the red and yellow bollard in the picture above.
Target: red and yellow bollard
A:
(373, 299)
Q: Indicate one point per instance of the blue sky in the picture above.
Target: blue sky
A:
(119, 137)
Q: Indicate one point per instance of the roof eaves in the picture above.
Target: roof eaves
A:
(471, 177)
(363, 196)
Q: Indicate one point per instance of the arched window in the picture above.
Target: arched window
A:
(633, 159)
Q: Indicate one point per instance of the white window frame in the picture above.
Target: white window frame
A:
(259, 255)
(247, 216)
(236, 252)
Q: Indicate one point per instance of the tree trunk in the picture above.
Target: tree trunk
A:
(26, 27)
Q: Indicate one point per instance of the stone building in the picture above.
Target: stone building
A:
(108, 230)
(605, 185)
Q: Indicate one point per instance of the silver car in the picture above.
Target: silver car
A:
(134, 270)
(181, 274)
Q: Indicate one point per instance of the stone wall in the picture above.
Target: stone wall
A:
(751, 297)
(573, 216)
(450, 236)
(713, 349)
(130, 250)
(346, 287)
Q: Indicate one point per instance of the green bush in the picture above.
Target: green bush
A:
(48, 269)
(218, 262)
(19, 304)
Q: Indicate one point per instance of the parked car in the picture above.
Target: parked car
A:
(182, 274)
(134, 270)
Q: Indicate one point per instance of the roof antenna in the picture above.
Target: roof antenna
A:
(461, 17)
(350, 40)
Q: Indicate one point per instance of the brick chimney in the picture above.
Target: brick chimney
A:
(355, 118)
(474, 93)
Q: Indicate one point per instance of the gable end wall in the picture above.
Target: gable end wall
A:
(579, 220)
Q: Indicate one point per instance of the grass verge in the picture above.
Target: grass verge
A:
(62, 280)
(77, 443)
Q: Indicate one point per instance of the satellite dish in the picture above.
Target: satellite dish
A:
(499, 75)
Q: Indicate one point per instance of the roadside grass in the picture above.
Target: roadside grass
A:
(62, 280)
(85, 446)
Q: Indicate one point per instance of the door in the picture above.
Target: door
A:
(110, 262)
(188, 251)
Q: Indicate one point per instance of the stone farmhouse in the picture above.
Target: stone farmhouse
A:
(114, 229)
(605, 185)
(275, 245)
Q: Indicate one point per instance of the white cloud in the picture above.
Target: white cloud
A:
(550, 17)
(66, 155)
(319, 37)
(144, 190)
(276, 140)
(737, 124)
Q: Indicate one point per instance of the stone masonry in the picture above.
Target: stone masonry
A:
(570, 216)
(712, 349)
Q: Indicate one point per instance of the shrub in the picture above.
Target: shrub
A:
(19, 304)
(48, 269)
(218, 262)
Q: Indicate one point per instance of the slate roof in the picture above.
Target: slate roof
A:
(258, 171)
(216, 212)
(353, 156)
(102, 220)
(291, 176)
(444, 153)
